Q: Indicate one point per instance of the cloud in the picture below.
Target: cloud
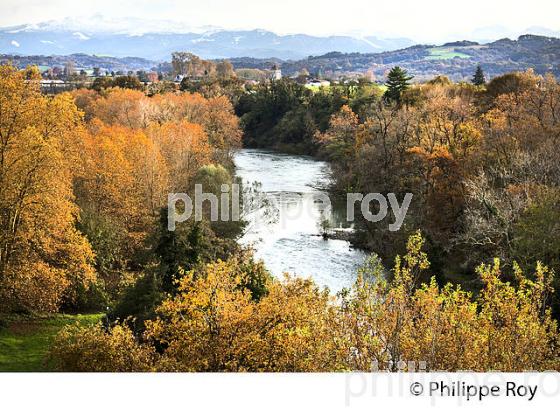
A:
(14, 43)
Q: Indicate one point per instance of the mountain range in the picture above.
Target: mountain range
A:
(156, 40)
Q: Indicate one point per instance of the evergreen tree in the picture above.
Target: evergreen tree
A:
(478, 77)
(182, 248)
(398, 81)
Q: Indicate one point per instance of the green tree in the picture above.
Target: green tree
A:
(128, 81)
(398, 81)
(102, 83)
(180, 249)
(478, 77)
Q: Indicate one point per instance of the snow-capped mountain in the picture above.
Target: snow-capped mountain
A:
(155, 39)
(99, 24)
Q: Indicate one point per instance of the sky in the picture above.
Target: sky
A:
(422, 20)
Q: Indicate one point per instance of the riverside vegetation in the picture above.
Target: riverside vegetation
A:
(84, 178)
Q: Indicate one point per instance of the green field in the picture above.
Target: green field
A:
(24, 340)
(445, 53)
(316, 88)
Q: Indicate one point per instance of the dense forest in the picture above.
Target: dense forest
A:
(84, 178)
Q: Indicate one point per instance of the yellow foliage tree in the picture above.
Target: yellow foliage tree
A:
(404, 326)
(120, 107)
(78, 349)
(213, 324)
(41, 253)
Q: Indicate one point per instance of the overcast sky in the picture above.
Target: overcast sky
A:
(417, 19)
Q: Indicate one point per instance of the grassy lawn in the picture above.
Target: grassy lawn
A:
(445, 53)
(24, 340)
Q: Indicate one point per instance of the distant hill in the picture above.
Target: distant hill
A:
(81, 60)
(457, 60)
(65, 39)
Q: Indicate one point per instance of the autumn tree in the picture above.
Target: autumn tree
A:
(213, 322)
(78, 349)
(406, 323)
(84, 99)
(43, 258)
(119, 107)
(185, 147)
(339, 141)
(511, 83)
(190, 65)
(224, 70)
(123, 185)
(222, 127)
(180, 62)
(224, 329)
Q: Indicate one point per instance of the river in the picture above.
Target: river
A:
(291, 240)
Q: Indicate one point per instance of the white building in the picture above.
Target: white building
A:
(318, 83)
(276, 74)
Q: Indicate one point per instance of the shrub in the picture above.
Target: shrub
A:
(214, 323)
(92, 349)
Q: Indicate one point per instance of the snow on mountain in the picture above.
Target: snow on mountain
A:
(99, 24)
(157, 39)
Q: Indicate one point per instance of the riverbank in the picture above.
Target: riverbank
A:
(301, 148)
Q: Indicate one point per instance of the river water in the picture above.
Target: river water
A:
(286, 234)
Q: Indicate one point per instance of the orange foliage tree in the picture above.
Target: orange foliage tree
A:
(185, 148)
(123, 183)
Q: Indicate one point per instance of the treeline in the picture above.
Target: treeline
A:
(286, 115)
